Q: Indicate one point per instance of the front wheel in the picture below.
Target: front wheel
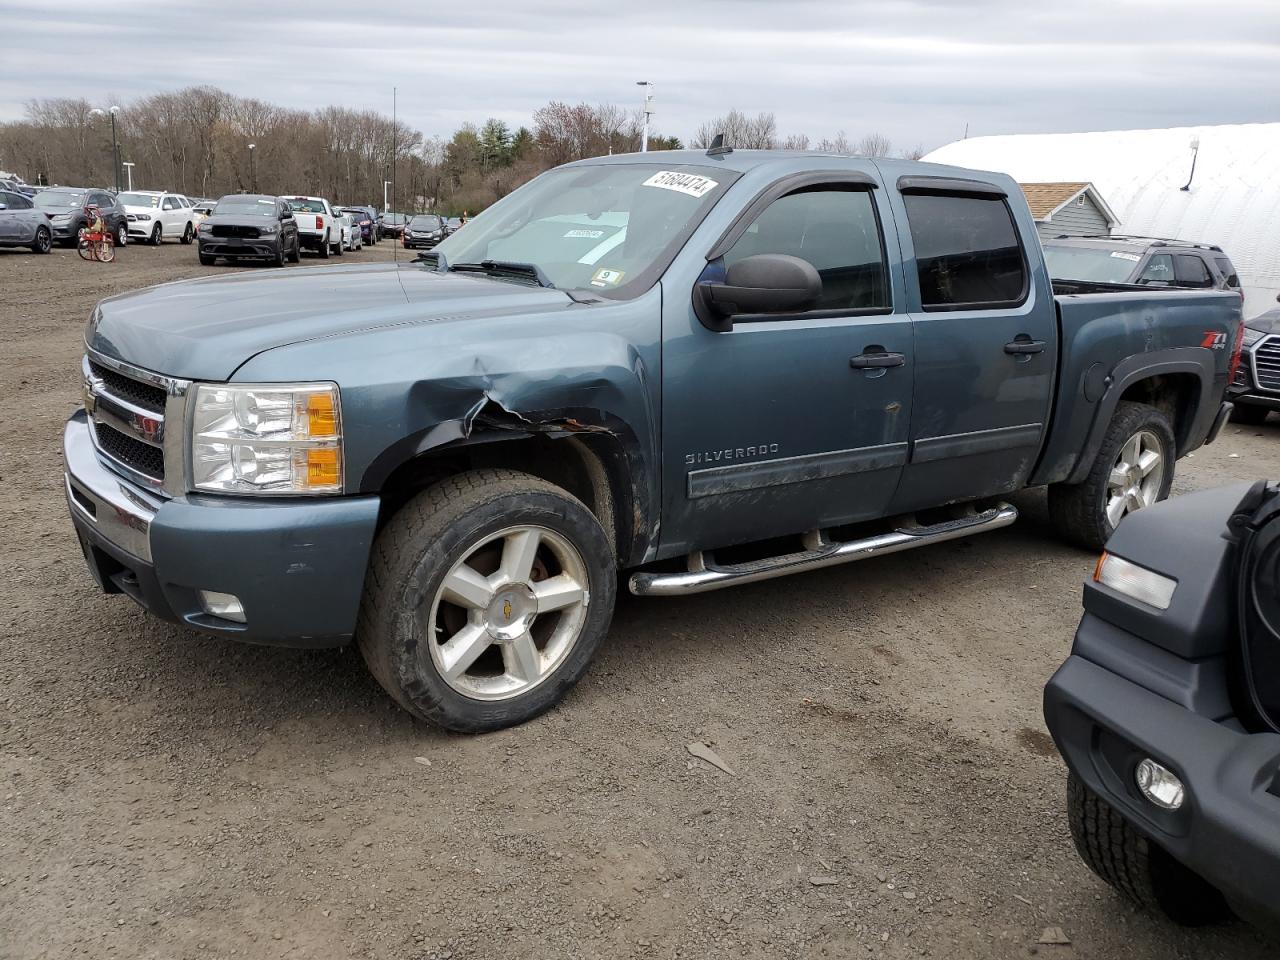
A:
(157, 234)
(295, 254)
(1133, 469)
(187, 234)
(487, 596)
(43, 242)
(1139, 869)
(122, 235)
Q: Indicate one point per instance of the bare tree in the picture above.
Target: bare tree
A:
(796, 141)
(740, 131)
(874, 145)
(840, 144)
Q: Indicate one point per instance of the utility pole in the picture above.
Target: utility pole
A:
(648, 109)
(115, 142)
(385, 184)
(128, 168)
(253, 171)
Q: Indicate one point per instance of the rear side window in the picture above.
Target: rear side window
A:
(1158, 272)
(1190, 271)
(834, 229)
(968, 254)
(1232, 279)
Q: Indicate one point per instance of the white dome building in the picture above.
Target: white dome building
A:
(1233, 200)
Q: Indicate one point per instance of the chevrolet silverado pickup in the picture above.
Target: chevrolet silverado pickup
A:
(704, 369)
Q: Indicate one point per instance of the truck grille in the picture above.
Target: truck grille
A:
(135, 391)
(134, 454)
(232, 230)
(1266, 364)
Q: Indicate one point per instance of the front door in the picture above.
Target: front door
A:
(787, 423)
(985, 343)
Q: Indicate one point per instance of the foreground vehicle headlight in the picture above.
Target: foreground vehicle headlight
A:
(1135, 582)
(267, 439)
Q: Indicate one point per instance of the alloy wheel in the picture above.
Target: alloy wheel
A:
(1136, 477)
(508, 613)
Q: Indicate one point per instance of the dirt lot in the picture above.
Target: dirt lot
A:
(165, 795)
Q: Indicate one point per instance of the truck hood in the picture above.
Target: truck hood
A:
(204, 329)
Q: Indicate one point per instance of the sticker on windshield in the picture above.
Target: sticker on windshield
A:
(584, 235)
(687, 183)
(606, 278)
(1122, 255)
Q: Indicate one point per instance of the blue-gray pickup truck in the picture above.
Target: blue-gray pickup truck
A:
(704, 369)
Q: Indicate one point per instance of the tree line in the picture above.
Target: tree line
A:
(197, 141)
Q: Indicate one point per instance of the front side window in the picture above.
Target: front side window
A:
(968, 255)
(837, 231)
(15, 201)
(1190, 271)
(1158, 272)
(609, 228)
(170, 203)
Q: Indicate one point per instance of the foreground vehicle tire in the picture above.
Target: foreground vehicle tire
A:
(207, 260)
(486, 597)
(1249, 414)
(43, 242)
(1135, 866)
(1133, 469)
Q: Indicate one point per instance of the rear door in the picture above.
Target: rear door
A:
(14, 218)
(985, 334)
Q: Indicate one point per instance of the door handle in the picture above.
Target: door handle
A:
(1022, 345)
(876, 361)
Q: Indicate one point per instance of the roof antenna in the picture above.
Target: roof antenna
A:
(717, 148)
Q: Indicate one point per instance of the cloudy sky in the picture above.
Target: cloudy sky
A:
(917, 71)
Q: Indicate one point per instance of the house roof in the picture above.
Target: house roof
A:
(1046, 199)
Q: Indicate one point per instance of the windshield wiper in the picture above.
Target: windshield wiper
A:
(506, 269)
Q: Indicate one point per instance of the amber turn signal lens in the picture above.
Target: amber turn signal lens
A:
(322, 417)
(323, 468)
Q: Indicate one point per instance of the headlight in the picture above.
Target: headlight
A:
(267, 439)
(1252, 336)
(205, 226)
(143, 216)
(269, 231)
(58, 217)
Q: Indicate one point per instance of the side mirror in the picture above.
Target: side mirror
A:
(763, 284)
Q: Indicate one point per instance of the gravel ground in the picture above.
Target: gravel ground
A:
(895, 792)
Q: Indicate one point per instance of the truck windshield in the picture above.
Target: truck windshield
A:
(1100, 265)
(611, 228)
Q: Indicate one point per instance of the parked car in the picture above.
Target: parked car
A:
(424, 230)
(156, 214)
(22, 225)
(65, 207)
(774, 365)
(366, 218)
(351, 238)
(320, 228)
(1167, 712)
(1141, 260)
(452, 225)
(1255, 389)
(200, 210)
(244, 226)
(391, 224)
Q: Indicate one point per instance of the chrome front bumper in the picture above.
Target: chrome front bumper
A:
(119, 510)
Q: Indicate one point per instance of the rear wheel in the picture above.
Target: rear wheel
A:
(43, 242)
(487, 596)
(1141, 870)
(1249, 414)
(1133, 469)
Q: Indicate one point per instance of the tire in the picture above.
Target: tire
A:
(207, 260)
(122, 235)
(1086, 513)
(1249, 414)
(324, 247)
(427, 542)
(157, 234)
(1139, 869)
(187, 234)
(295, 254)
(43, 242)
(338, 248)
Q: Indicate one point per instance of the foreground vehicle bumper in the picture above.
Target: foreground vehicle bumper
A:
(1227, 828)
(296, 565)
(232, 247)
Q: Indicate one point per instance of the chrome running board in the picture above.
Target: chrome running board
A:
(705, 574)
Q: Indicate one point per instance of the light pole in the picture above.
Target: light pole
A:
(253, 171)
(128, 168)
(115, 143)
(1195, 152)
(648, 109)
(385, 184)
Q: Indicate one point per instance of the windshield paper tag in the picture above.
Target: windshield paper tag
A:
(606, 278)
(1122, 255)
(686, 183)
(583, 235)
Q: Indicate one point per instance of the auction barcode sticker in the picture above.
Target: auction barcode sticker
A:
(687, 183)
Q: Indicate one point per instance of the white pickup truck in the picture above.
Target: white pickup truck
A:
(320, 227)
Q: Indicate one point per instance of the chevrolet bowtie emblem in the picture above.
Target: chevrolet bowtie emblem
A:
(506, 609)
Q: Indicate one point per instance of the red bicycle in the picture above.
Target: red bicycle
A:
(96, 241)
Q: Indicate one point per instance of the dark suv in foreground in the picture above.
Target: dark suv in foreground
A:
(1167, 712)
(1145, 261)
